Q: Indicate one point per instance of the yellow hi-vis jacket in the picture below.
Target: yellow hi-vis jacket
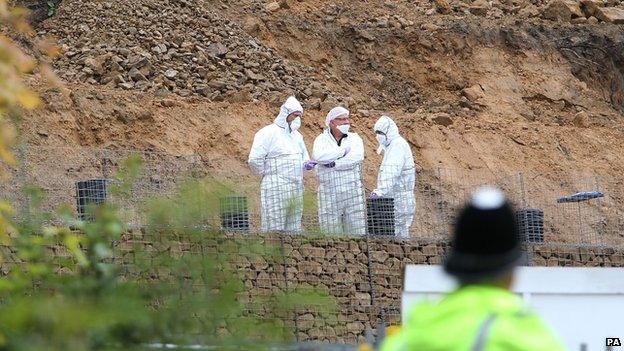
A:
(473, 318)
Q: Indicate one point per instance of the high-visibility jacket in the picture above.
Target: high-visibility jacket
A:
(473, 318)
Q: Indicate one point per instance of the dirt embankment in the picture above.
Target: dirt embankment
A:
(493, 90)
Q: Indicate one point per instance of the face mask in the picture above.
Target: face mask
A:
(381, 139)
(295, 124)
(344, 128)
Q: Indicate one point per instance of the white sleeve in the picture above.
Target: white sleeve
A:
(355, 156)
(324, 152)
(259, 151)
(306, 155)
(390, 170)
(302, 147)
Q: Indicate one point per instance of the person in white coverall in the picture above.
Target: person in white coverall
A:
(397, 174)
(279, 156)
(339, 154)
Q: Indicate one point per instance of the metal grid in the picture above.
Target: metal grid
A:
(89, 193)
(59, 171)
(341, 208)
(363, 273)
(340, 269)
(326, 201)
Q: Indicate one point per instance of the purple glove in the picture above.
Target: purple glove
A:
(309, 165)
(346, 151)
(374, 195)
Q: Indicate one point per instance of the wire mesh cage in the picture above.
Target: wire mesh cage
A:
(331, 210)
(89, 193)
(234, 213)
(340, 199)
(530, 223)
(329, 200)
(380, 216)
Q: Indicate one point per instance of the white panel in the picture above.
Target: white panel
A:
(570, 280)
(580, 319)
(582, 305)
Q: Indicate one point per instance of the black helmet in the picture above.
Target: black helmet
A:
(485, 242)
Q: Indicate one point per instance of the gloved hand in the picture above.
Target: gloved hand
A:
(346, 151)
(309, 165)
(330, 165)
(374, 195)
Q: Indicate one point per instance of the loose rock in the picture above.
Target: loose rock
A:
(442, 7)
(479, 8)
(562, 10)
(171, 73)
(610, 14)
(272, 6)
(443, 119)
(473, 93)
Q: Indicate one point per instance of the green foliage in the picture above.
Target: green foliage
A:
(177, 281)
(61, 292)
(72, 286)
(51, 8)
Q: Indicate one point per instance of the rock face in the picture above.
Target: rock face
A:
(271, 48)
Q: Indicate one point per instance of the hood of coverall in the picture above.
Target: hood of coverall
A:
(291, 105)
(386, 125)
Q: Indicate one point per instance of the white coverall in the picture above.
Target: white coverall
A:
(277, 155)
(340, 193)
(397, 175)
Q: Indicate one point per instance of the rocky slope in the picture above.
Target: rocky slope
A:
(485, 89)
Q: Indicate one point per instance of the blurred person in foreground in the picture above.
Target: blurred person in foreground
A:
(481, 314)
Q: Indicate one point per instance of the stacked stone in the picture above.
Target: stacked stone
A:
(553, 255)
(339, 267)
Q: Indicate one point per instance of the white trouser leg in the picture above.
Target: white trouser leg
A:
(330, 213)
(355, 212)
(282, 205)
(294, 209)
(403, 213)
